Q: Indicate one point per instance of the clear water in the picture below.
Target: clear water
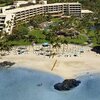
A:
(25, 84)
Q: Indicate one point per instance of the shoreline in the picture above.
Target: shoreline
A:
(66, 67)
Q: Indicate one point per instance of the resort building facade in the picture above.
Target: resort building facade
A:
(25, 10)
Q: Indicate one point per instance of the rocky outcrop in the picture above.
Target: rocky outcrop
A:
(6, 64)
(96, 49)
(67, 84)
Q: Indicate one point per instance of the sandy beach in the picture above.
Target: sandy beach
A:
(67, 67)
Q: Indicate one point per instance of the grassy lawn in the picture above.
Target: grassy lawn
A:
(1, 5)
(55, 19)
(19, 43)
(39, 36)
(37, 33)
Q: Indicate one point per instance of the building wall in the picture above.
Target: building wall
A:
(9, 23)
(15, 16)
(2, 21)
(75, 10)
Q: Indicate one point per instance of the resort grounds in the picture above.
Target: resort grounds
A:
(69, 62)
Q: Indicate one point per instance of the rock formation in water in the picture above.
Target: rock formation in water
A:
(67, 84)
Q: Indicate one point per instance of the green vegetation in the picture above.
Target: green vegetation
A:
(78, 31)
(80, 40)
(38, 35)
(5, 2)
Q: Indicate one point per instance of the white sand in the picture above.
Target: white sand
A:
(67, 67)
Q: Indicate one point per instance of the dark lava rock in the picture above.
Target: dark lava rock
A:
(6, 64)
(67, 84)
(96, 49)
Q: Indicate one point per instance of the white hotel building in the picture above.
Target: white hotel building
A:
(25, 10)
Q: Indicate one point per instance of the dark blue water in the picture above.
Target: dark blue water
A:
(25, 84)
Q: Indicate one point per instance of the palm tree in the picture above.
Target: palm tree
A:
(66, 42)
(56, 46)
(33, 23)
(4, 45)
(62, 38)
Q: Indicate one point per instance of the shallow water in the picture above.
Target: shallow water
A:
(25, 84)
